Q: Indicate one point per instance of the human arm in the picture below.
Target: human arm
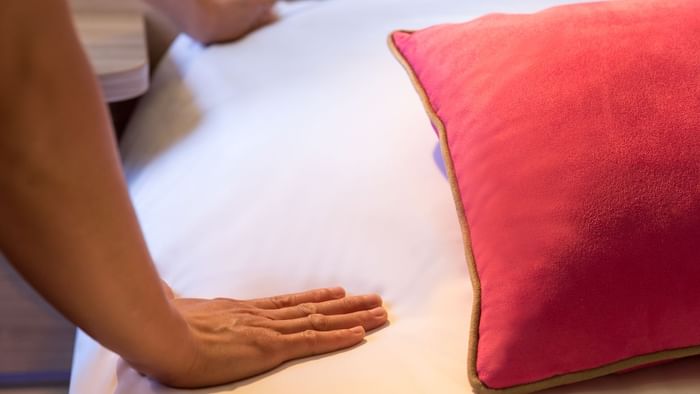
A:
(67, 223)
(68, 226)
(215, 21)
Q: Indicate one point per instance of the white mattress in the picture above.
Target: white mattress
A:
(301, 157)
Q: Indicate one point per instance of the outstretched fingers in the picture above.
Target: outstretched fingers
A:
(290, 300)
(369, 320)
(310, 342)
(333, 307)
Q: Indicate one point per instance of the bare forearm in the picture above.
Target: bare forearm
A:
(67, 223)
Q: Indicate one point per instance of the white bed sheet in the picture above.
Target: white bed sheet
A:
(301, 157)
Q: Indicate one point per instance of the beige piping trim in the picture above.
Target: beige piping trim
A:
(476, 383)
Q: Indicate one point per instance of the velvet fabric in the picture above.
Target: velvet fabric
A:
(574, 138)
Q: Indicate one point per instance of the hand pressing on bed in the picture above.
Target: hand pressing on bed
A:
(233, 339)
(69, 228)
(215, 21)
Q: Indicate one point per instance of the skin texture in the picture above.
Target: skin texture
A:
(68, 227)
(264, 333)
(215, 21)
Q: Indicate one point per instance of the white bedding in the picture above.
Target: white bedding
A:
(301, 157)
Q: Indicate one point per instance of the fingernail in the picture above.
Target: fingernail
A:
(374, 300)
(337, 291)
(378, 312)
(359, 330)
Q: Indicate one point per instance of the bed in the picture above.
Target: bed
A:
(300, 157)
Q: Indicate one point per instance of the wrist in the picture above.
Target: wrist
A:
(171, 353)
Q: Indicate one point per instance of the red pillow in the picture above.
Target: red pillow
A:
(572, 141)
